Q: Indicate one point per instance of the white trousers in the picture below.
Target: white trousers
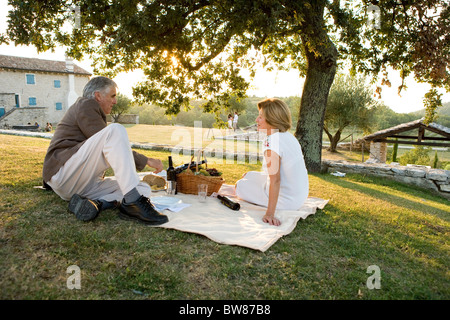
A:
(83, 173)
(254, 188)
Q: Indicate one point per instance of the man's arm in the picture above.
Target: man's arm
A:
(141, 161)
(155, 163)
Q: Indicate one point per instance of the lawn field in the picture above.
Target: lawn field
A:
(401, 230)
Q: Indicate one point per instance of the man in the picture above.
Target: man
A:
(83, 147)
(235, 120)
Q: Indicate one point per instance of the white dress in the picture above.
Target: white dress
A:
(294, 183)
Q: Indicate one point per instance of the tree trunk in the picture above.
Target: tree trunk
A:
(334, 141)
(321, 56)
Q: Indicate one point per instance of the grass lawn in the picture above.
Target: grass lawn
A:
(188, 137)
(368, 221)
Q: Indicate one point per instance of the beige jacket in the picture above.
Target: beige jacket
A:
(83, 119)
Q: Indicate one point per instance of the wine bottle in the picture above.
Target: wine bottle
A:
(171, 174)
(190, 165)
(229, 203)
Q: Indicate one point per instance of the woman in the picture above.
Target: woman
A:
(283, 184)
(230, 121)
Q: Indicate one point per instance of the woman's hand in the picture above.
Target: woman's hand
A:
(155, 163)
(270, 219)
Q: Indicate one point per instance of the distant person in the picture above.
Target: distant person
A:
(37, 125)
(230, 121)
(83, 147)
(283, 184)
(48, 127)
(235, 120)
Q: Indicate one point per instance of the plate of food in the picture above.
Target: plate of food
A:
(156, 188)
(163, 202)
(156, 182)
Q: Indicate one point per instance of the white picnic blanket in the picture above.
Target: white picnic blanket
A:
(243, 228)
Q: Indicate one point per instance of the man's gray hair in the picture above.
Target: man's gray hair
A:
(97, 84)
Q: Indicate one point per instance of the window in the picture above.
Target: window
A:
(32, 101)
(57, 83)
(59, 106)
(30, 79)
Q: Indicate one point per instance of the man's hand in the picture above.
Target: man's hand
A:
(155, 163)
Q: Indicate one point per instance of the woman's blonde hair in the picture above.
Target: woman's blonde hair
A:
(277, 113)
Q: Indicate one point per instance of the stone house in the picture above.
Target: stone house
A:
(36, 90)
(416, 132)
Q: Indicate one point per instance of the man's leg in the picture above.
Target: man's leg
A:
(82, 173)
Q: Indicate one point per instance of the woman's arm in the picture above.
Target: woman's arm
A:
(273, 167)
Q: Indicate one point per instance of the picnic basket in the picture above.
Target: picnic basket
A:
(188, 182)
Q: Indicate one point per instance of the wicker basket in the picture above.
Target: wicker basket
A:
(188, 182)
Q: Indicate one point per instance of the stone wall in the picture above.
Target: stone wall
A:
(436, 180)
(23, 116)
(7, 101)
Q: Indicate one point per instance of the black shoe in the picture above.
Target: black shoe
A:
(84, 209)
(142, 210)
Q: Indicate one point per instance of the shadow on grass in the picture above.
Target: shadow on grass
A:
(398, 200)
(412, 245)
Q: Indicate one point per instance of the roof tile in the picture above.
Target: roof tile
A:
(34, 64)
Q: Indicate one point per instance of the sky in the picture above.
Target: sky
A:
(265, 84)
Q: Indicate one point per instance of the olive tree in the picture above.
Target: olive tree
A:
(198, 48)
(350, 103)
(123, 105)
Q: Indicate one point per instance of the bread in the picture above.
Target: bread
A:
(154, 180)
